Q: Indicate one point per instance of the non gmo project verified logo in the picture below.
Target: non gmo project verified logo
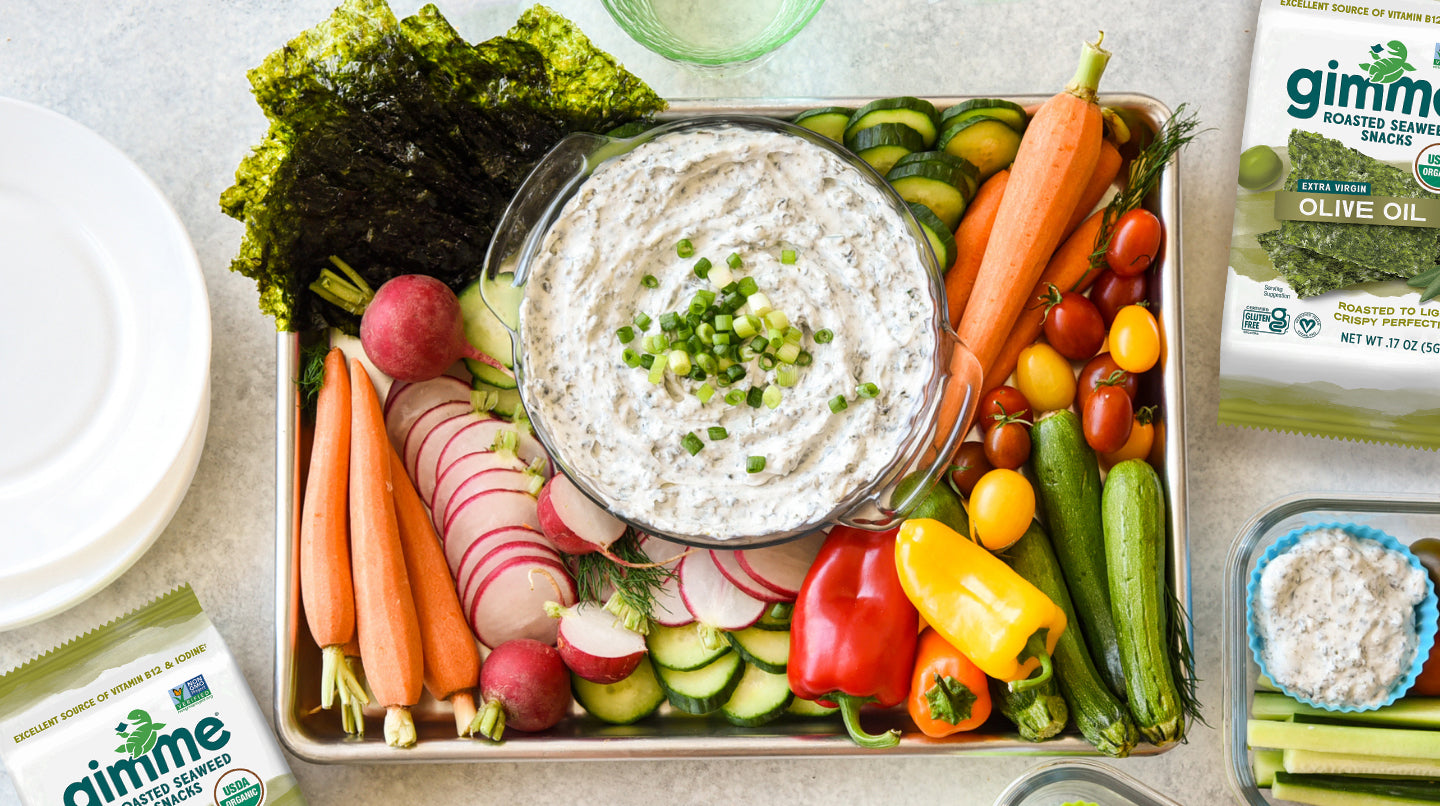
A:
(193, 691)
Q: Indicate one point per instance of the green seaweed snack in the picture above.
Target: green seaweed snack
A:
(149, 708)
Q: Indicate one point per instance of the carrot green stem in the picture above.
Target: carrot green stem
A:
(399, 726)
(352, 294)
(331, 658)
(1093, 58)
(463, 703)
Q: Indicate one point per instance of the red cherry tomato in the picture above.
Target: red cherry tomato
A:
(1073, 326)
(1007, 444)
(970, 465)
(1103, 368)
(1107, 419)
(1002, 402)
(1135, 243)
(1111, 292)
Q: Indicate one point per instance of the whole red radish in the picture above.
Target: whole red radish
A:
(574, 523)
(594, 643)
(413, 329)
(524, 685)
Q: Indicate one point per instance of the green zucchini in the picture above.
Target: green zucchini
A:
(681, 648)
(914, 113)
(1038, 713)
(1132, 507)
(1101, 718)
(1409, 712)
(1265, 764)
(942, 241)
(705, 689)
(985, 142)
(1314, 761)
(941, 186)
(622, 703)
(760, 697)
(1012, 113)
(883, 145)
(829, 121)
(1345, 790)
(810, 708)
(767, 649)
(1067, 491)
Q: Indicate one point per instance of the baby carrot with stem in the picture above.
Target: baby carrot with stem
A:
(970, 239)
(384, 607)
(326, 592)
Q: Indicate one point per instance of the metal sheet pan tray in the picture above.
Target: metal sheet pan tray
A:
(316, 736)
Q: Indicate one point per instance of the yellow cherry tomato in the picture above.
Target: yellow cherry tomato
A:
(1045, 377)
(1001, 508)
(1142, 439)
(1135, 339)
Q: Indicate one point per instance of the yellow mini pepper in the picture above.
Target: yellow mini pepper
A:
(1006, 625)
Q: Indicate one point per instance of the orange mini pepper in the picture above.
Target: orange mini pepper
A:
(948, 692)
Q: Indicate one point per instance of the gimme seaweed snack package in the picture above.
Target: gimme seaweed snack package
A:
(1332, 302)
(149, 710)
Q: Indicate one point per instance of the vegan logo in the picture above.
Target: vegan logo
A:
(1385, 69)
(140, 735)
(1307, 325)
(193, 691)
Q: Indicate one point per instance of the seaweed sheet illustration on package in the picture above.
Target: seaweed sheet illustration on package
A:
(1331, 323)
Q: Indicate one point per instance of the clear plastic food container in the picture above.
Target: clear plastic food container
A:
(1407, 517)
(1067, 782)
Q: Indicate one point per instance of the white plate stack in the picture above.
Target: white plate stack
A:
(104, 363)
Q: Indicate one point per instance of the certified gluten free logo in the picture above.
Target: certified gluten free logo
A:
(1257, 319)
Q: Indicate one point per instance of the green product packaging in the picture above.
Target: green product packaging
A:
(148, 709)
(1329, 326)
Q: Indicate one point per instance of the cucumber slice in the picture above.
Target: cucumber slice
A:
(800, 707)
(937, 185)
(827, 120)
(705, 689)
(940, 237)
(1012, 113)
(504, 402)
(482, 327)
(883, 145)
(767, 649)
(985, 142)
(1408, 712)
(971, 174)
(915, 113)
(776, 618)
(1265, 764)
(622, 703)
(760, 697)
(681, 648)
(489, 375)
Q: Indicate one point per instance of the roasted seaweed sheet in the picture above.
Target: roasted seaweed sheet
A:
(396, 146)
(1309, 273)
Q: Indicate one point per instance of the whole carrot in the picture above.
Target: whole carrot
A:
(1107, 167)
(970, 239)
(384, 608)
(326, 592)
(1056, 158)
(451, 658)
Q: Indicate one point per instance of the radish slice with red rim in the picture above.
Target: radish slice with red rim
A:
(594, 644)
(489, 556)
(782, 568)
(573, 522)
(424, 470)
(462, 469)
(422, 427)
(406, 404)
(499, 478)
(482, 513)
(714, 600)
(510, 602)
(729, 565)
(482, 437)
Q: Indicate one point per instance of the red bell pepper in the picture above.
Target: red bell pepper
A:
(853, 630)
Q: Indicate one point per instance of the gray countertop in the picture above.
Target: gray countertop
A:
(165, 81)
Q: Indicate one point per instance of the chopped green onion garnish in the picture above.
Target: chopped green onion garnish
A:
(788, 353)
(707, 362)
(647, 361)
(632, 358)
(701, 301)
(626, 334)
(679, 362)
(657, 372)
(774, 344)
(786, 375)
(730, 288)
(838, 404)
(733, 261)
(694, 345)
(722, 350)
(683, 333)
(732, 302)
(754, 464)
(793, 335)
(702, 268)
(734, 397)
(767, 362)
(669, 321)
(804, 359)
(697, 374)
(746, 326)
(787, 256)
(720, 277)
(717, 432)
(748, 286)
(777, 320)
(721, 381)
(772, 396)
(759, 303)
(735, 372)
(868, 390)
(706, 332)
(724, 321)
(755, 397)
(685, 248)
(691, 444)
(692, 321)
(642, 321)
(747, 353)
(657, 343)
(705, 392)
(649, 281)
(720, 339)
(824, 336)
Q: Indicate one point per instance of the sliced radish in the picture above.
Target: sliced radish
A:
(491, 555)
(422, 427)
(455, 474)
(510, 602)
(669, 609)
(729, 565)
(782, 568)
(427, 459)
(406, 405)
(500, 478)
(714, 601)
(390, 395)
(482, 513)
(481, 437)
(573, 522)
(595, 644)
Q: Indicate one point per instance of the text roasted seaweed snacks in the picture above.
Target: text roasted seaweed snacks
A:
(1332, 302)
(150, 709)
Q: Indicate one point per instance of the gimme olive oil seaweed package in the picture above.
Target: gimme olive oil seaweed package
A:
(1331, 322)
(148, 709)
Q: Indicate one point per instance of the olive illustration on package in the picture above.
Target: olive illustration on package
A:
(1386, 69)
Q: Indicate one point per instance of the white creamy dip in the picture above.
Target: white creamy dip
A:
(1337, 615)
(726, 189)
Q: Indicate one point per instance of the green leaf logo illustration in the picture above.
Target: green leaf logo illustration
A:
(1385, 69)
(140, 736)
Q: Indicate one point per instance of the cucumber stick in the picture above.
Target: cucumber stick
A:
(1067, 484)
(1132, 507)
(1342, 790)
(1314, 761)
(1398, 742)
(1265, 764)
(1409, 712)
(1101, 718)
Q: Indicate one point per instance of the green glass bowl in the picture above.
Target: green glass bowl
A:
(708, 34)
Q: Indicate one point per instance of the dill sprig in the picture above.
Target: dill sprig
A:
(1144, 176)
(311, 376)
(1182, 662)
(635, 579)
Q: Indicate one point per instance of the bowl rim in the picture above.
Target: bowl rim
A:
(770, 39)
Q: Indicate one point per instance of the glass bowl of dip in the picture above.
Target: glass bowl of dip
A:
(1079, 781)
(931, 413)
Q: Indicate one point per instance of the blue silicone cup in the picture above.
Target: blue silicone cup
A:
(1425, 612)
